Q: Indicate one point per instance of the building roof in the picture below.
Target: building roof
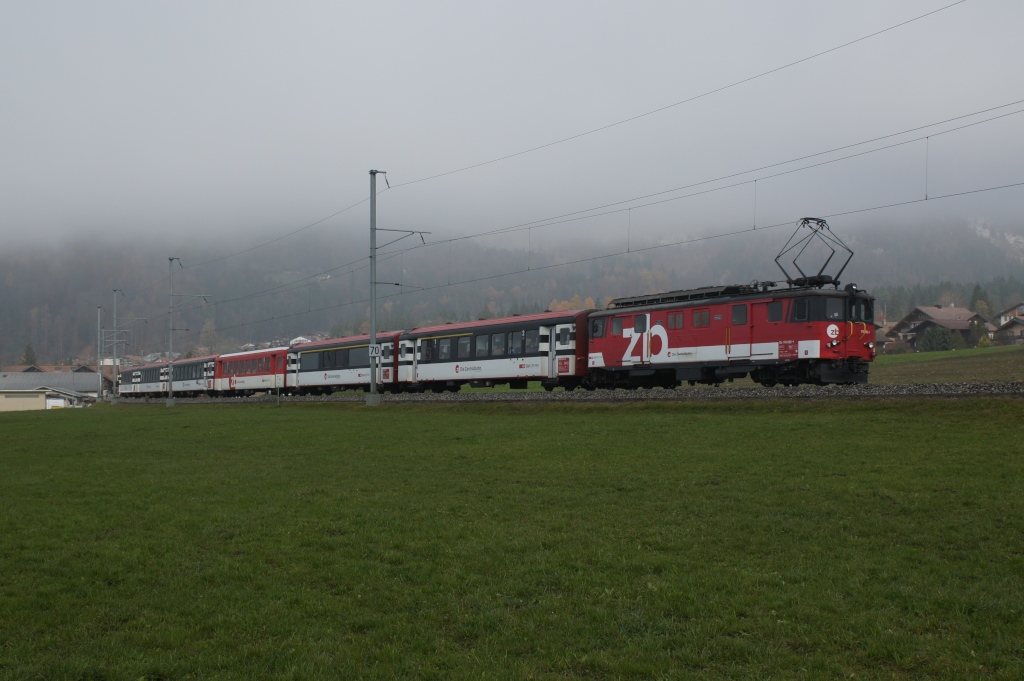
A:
(1015, 309)
(62, 381)
(1013, 321)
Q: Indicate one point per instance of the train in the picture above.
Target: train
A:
(799, 333)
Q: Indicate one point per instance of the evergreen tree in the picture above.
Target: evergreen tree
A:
(936, 339)
(30, 355)
(977, 295)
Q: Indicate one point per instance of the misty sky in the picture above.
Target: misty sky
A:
(239, 120)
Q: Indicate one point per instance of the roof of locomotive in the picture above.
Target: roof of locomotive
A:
(497, 321)
(729, 292)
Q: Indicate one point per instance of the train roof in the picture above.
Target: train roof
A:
(163, 363)
(496, 321)
(242, 353)
(383, 336)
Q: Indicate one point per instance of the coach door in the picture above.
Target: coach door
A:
(552, 350)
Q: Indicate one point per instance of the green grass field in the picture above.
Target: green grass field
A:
(984, 365)
(880, 539)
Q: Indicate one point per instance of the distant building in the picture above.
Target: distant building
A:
(1010, 333)
(82, 382)
(958, 319)
(29, 399)
(1014, 311)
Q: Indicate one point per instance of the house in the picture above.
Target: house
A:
(28, 399)
(957, 319)
(81, 382)
(1010, 333)
(1011, 312)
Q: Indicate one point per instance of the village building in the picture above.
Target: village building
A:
(1014, 311)
(921, 318)
(1010, 333)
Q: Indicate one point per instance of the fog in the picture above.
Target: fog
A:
(246, 121)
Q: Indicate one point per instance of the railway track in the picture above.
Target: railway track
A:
(700, 394)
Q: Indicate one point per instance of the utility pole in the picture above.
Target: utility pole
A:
(170, 326)
(170, 330)
(117, 373)
(99, 351)
(373, 398)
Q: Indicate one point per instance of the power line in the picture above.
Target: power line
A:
(679, 103)
(621, 253)
(586, 133)
(587, 213)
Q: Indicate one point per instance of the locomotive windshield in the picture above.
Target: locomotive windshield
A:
(860, 310)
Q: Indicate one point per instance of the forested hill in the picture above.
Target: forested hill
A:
(50, 295)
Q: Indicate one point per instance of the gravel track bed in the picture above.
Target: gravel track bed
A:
(1006, 389)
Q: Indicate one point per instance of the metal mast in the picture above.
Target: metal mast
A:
(170, 331)
(373, 398)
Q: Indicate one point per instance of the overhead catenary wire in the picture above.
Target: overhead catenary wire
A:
(681, 102)
(608, 126)
(578, 261)
(590, 213)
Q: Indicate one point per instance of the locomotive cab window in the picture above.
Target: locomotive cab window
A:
(739, 315)
(834, 309)
(801, 312)
(597, 327)
(775, 311)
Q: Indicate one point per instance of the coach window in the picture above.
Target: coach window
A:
(775, 311)
(515, 343)
(532, 341)
(639, 323)
(481, 346)
(597, 327)
(498, 344)
(617, 326)
(464, 345)
(739, 315)
(444, 349)
(427, 349)
(359, 358)
(563, 337)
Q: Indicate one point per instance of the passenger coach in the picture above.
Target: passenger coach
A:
(550, 347)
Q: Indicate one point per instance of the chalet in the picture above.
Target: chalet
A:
(1014, 311)
(957, 319)
(1011, 333)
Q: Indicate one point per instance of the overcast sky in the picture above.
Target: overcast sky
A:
(247, 119)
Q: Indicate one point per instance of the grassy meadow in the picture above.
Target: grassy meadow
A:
(853, 539)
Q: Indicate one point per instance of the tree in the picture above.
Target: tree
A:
(935, 339)
(30, 355)
(978, 332)
(978, 295)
